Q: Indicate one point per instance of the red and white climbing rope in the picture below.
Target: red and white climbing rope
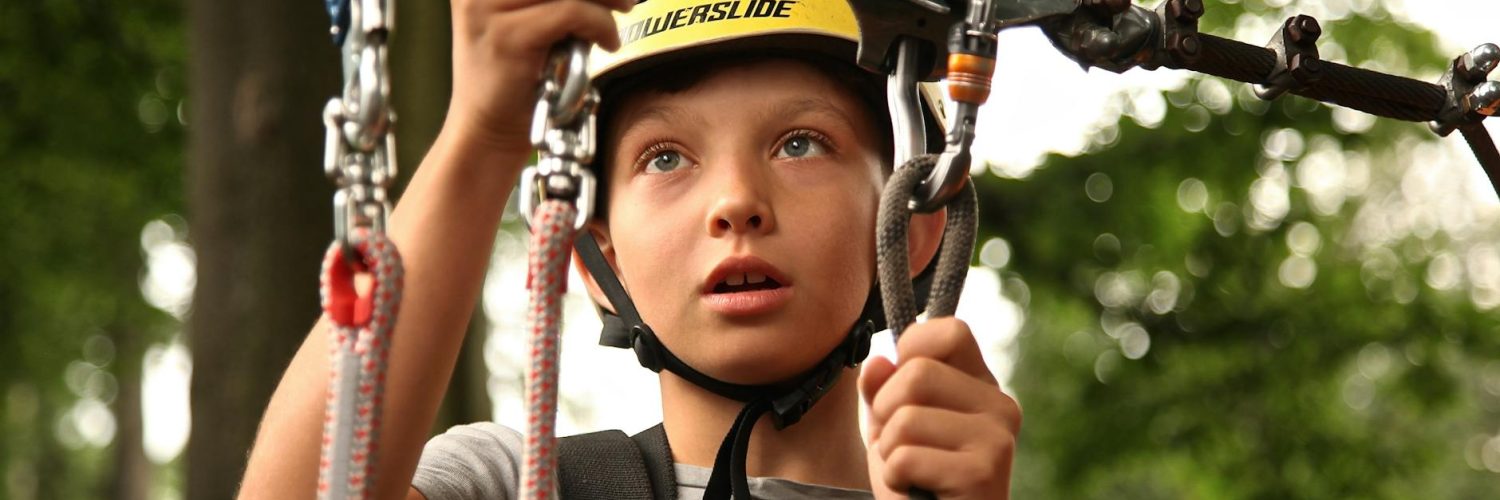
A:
(359, 343)
(552, 234)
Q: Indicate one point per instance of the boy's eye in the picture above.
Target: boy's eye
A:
(664, 161)
(801, 145)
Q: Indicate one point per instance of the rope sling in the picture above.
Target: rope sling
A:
(558, 193)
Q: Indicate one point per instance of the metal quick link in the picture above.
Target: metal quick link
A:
(971, 65)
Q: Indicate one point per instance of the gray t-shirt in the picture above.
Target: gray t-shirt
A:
(482, 461)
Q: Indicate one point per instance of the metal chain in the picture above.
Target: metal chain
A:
(359, 156)
(557, 199)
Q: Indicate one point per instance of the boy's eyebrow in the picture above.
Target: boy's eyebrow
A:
(809, 105)
(668, 114)
(783, 110)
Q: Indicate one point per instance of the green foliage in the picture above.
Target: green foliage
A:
(90, 150)
(1362, 384)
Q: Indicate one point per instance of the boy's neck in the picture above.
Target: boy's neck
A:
(824, 448)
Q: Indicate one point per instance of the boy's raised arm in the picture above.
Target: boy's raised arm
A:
(444, 227)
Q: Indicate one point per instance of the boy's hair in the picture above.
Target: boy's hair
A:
(687, 73)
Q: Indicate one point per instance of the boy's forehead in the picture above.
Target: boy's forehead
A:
(782, 107)
(763, 88)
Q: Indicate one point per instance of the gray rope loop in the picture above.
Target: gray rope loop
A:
(893, 224)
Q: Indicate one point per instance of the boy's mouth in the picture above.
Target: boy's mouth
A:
(746, 286)
(747, 282)
(744, 273)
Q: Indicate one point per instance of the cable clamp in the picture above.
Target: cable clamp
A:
(1297, 61)
(1471, 96)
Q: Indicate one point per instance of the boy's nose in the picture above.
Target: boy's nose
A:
(740, 215)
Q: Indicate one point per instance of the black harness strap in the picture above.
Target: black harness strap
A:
(608, 465)
(658, 455)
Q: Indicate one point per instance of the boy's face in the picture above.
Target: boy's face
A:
(768, 168)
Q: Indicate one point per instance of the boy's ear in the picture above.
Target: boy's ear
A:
(924, 237)
(601, 235)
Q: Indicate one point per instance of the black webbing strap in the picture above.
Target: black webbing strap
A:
(602, 465)
(624, 309)
(608, 465)
(658, 454)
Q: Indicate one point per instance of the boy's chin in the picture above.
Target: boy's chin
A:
(766, 355)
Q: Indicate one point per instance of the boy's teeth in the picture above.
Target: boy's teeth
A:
(753, 278)
(735, 279)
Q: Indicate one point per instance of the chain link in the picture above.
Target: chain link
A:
(360, 150)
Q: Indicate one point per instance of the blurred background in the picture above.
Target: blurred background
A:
(1193, 293)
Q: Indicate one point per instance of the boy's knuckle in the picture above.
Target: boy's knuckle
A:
(924, 371)
(901, 428)
(1010, 412)
(956, 334)
(900, 465)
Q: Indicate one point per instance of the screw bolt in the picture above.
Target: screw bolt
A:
(1478, 63)
(1303, 30)
(1185, 11)
(1305, 68)
(1185, 46)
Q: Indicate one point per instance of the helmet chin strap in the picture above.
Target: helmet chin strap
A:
(786, 401)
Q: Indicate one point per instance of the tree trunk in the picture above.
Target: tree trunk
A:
(130, 478)
(260, 211)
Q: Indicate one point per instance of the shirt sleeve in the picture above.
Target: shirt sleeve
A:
(470, 462)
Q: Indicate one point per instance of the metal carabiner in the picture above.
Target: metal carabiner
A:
(971, 66)
(902, 98)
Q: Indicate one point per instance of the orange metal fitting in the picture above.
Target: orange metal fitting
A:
(969, 77)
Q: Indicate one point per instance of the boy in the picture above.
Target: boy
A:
(741, 193)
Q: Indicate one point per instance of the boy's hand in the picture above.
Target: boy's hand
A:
(938, 420)
(499, 47)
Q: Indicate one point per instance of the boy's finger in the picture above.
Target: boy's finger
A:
(876, 371)
(926, 382)
(947, 340)
(872, 375)
(539, 26)
(934, 428)
(947, 473)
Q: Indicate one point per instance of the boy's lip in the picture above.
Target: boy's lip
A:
(749, 302)
(743, 264)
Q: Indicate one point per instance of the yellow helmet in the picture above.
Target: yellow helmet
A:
(657, 32)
